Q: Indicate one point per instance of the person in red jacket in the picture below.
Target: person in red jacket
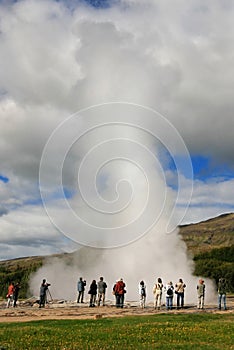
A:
(119, 292)
(10, 294)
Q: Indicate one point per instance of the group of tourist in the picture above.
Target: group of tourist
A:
(179, 289)
(119, 292)
(94, 290)
(12, 294)
(170, 290)
(97, 293)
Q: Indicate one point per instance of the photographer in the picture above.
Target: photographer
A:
(80, 289)
(43, 290)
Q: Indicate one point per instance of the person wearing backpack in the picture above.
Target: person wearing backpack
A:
(180, 286)
(142, 293)
(119, 290)
(157, 291)
(169, 295)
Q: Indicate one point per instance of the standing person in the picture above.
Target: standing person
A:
(169, 295)
(10, 294)
(16, 294)
(142, 293)
(114, 293)
(101, 291)
(180, 286)
(119, 290)
(200, 294)
(93, 293)
(157, 291)
(222, 289)
(80, 289)
(43, 289)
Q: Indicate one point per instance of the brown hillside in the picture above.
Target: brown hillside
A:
(200, 237)
(206, 235)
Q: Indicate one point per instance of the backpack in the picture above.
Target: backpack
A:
(119, 288)
(169, 291)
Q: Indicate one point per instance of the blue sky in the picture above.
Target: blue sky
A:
(4, 178)
(60, 57)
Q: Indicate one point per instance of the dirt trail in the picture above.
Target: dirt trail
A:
(58, 310)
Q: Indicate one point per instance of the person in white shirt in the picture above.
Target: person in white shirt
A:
(157, 291)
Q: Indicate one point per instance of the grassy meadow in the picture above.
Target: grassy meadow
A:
(174, 331)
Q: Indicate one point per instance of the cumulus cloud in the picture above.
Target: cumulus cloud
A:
(57, 59)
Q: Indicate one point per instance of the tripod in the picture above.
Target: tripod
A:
(48, 293)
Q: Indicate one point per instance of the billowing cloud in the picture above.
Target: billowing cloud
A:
(57, 59)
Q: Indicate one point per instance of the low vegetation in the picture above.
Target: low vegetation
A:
(191, 331)
(217, 263)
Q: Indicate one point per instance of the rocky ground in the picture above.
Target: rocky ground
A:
(28, 310)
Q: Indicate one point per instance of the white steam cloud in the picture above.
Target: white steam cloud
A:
(121, 200)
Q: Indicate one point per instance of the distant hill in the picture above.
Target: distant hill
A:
(210, 242)
(210, 234)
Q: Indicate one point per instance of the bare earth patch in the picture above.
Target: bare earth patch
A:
(58, 310)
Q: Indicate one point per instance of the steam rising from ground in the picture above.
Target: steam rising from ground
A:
(155, 254)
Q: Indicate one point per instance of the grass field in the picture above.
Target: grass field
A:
(188, 331)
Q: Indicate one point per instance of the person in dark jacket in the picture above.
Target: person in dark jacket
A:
(80, 289)
(43, 290)
(142, 293)
(222, 289)
(16, 294)
(93, 293)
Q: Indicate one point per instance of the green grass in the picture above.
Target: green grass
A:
(190, 331)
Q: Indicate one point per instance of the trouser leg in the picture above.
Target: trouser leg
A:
(167, 303)
(159, 300)
(99, 299)
(202, 301)
(118, 300)
(121, 300)
(178, 300)
(182, 299)
(170, 302)
(8, 302)
(199, 302)
(224, 302)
